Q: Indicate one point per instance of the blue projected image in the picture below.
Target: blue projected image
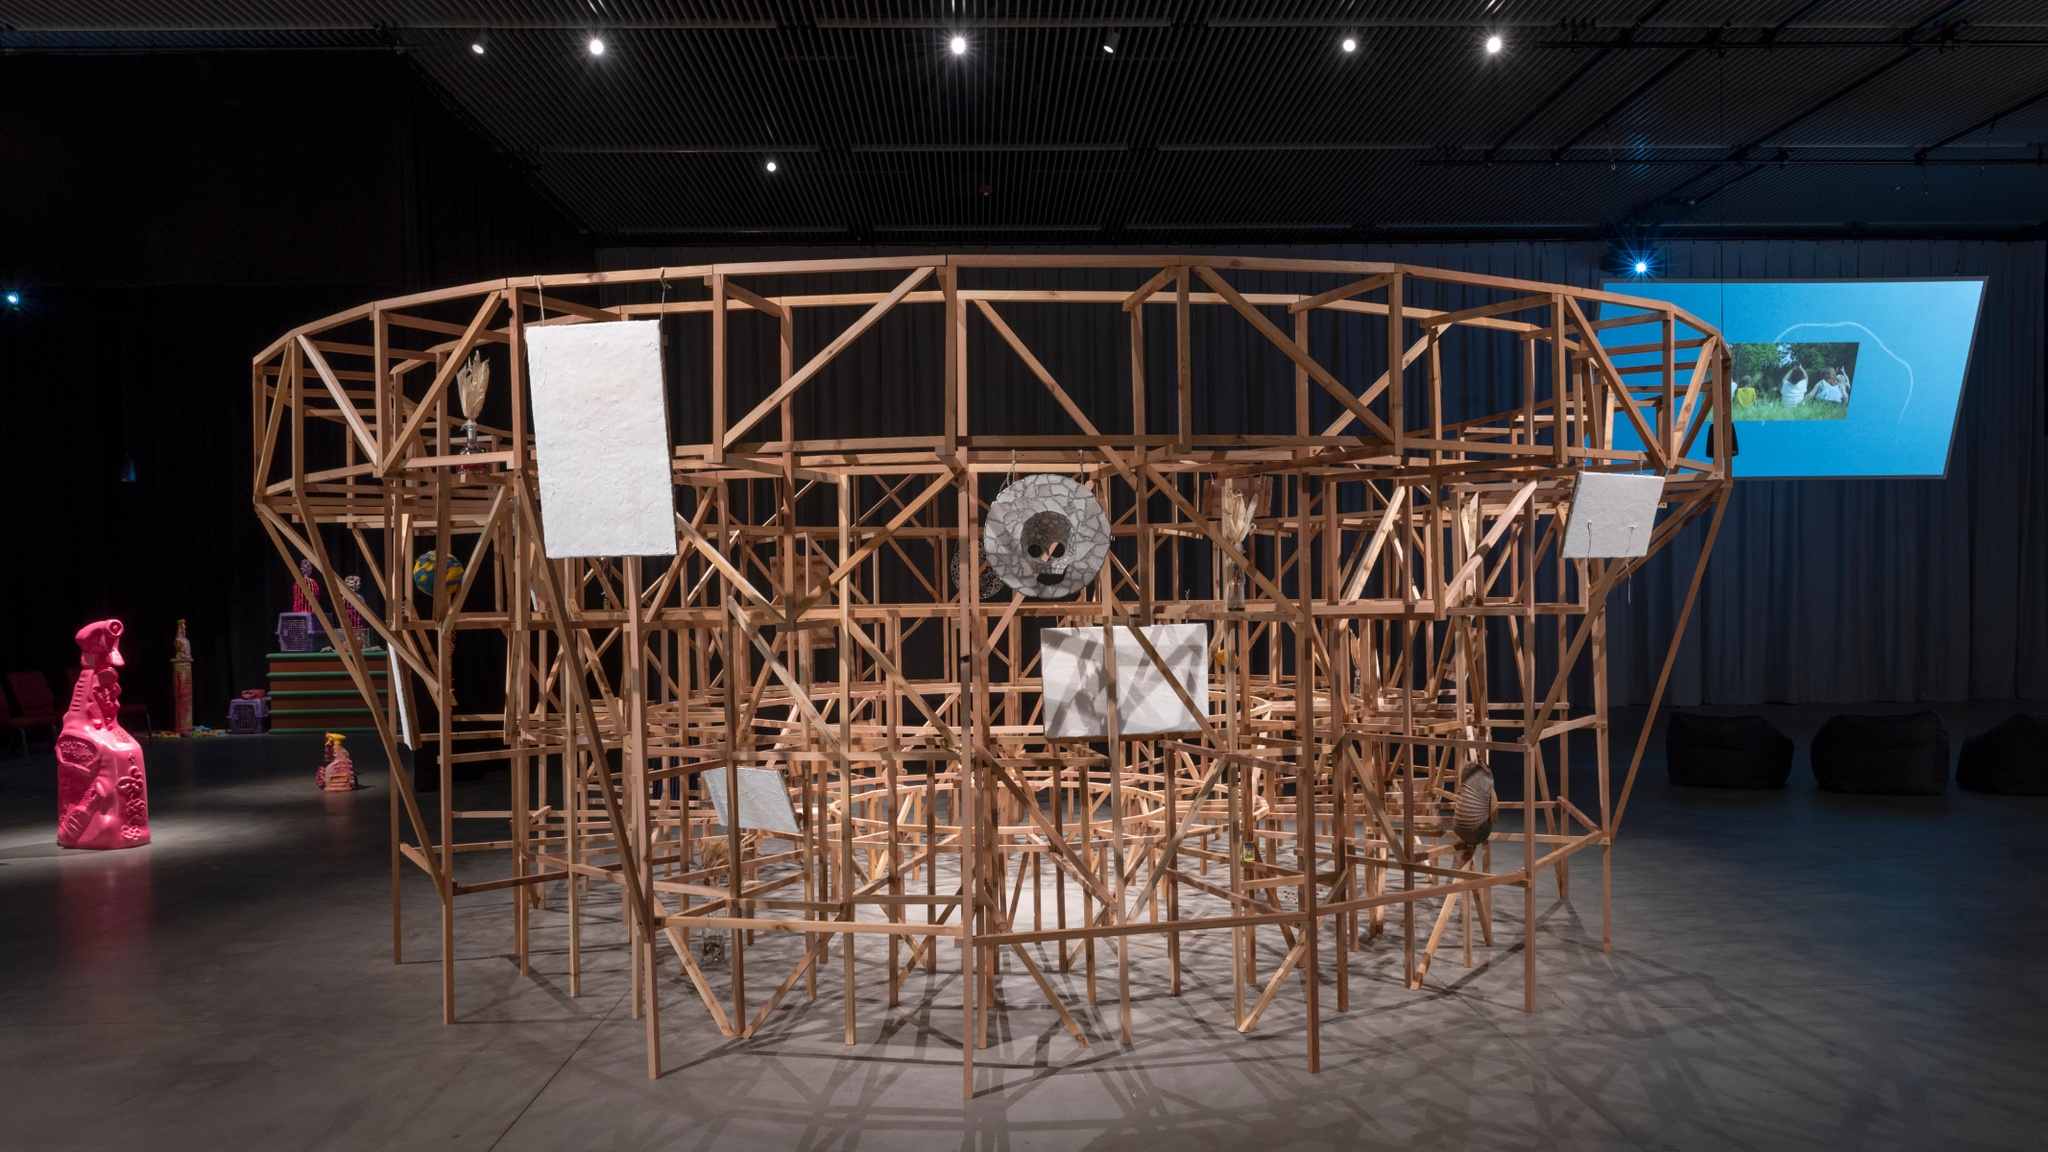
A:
(1831, 377)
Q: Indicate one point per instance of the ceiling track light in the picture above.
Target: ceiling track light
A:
(958, 45)
(771, 165)
(477, 46)
(1633, 259)
(1109, 40)
(596, 46)
(1493, 45)
(1349, 44)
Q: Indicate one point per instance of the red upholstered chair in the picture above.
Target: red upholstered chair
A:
(34, 707)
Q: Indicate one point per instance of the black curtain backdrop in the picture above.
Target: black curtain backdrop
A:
(219, 200)
(1832, 591)
(165, 218)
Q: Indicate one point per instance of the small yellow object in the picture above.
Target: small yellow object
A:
(1250, 854)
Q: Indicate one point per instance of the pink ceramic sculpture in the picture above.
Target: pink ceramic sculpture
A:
(102, 797)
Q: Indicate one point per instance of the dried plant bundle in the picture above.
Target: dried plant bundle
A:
(473, 382)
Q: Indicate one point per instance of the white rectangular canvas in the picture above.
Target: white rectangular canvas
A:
(764, 800)
(1076, 696)
(600, 437)
(1612, 515)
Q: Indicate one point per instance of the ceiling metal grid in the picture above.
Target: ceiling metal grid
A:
(1209, 118)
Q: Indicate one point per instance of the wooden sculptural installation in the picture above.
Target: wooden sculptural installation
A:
(1393, 626)
(102, 793)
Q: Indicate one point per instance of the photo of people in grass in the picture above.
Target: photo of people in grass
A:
(1793, 381)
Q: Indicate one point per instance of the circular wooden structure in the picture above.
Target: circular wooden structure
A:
(1375, 560)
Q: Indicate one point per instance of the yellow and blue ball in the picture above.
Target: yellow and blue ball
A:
(423, 574)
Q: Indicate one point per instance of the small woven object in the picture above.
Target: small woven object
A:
(992, 586)
(1472, 813)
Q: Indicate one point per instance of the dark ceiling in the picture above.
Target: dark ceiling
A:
(1212, 119)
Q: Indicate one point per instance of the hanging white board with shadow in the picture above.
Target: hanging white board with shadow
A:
(1072, 667)
(764, 800)
(600, 439)
(1612, 516)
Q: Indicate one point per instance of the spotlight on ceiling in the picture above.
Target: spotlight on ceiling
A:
(1493, 45)
(477, 46)
(959, 45)
(1350, 44)
(771, 165)
(596, 46)
(14, 299)
(1109, 40)
(1635, 259)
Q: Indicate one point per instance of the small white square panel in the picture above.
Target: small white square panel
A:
(1612, 515)
(600, 437)
(764, 800)
(1072, 669)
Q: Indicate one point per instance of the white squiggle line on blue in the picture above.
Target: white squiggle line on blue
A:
(1880, 344)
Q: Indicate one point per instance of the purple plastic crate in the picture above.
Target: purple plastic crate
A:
(245, 716)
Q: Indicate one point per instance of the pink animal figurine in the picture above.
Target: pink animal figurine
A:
(102, 795)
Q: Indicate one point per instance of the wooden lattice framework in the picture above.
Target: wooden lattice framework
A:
(1395, 556)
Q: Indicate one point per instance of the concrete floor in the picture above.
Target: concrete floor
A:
(1791, 970)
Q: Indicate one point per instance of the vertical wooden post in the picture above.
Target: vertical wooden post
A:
(720, 386)
(844, 658)
(969, 814)
(1667, 411)
(956, 360)
(640, 850)
(1184, 364)
(1105, 594)
(1306, 764)
(1137, 315)
(1559, 385)
(444, 703)
(1397, 385)
(1532, 743)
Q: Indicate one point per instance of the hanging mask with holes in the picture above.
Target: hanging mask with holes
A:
(1046, 536)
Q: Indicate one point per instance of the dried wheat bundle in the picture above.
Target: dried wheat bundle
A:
(1237, 515)
(472, 383)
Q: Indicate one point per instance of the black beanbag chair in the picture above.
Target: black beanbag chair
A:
(1883, 755)
(2011, 759)
(1726, 752)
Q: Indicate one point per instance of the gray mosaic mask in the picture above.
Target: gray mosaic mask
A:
(1046, 536)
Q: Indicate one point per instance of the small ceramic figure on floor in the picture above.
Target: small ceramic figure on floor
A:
(181, 683)
(338, 773)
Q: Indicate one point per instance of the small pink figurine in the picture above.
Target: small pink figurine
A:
(306, 590)
(102, 796)
(355, 618)
(338, 774)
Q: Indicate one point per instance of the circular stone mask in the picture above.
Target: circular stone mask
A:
(1046, 536)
